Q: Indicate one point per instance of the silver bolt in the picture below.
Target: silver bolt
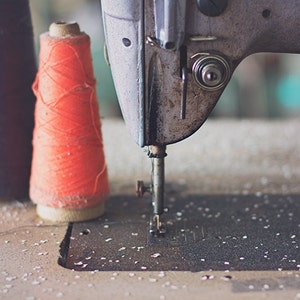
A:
(212, 75)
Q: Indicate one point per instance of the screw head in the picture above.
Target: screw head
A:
(140, 188)
(212, 8)
(212, 74)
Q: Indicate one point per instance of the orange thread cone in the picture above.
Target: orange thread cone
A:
(69, 179)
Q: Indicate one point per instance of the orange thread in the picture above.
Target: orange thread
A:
(68, 167)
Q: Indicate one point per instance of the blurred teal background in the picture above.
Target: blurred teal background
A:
(263, 86)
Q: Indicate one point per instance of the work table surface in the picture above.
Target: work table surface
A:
(225, 157)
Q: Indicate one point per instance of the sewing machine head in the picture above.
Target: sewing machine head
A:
(172, 59)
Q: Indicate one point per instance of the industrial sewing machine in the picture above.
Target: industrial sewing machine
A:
(172, 59)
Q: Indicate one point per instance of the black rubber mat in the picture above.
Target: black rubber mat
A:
(231, 232)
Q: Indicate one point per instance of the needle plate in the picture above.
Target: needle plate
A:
(215, 232)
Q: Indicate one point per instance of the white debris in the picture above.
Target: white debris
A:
(226, 278)
(10, 278)
(155, 255)
(207, 277)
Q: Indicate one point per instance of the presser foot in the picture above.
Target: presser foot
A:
(157, 227)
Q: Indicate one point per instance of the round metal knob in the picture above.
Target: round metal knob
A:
(212, 8)
(211, 72)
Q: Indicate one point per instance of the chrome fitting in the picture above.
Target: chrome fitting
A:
(211, 72)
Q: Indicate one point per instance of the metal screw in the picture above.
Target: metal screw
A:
(126, 42)
(212, 75)
(141, 189)
(212, 8)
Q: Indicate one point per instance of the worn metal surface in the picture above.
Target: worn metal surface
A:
(204, 233)
(149, 78)
(124, 20)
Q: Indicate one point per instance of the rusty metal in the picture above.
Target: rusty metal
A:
(140, 188)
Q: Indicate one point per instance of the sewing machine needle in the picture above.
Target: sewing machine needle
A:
(158, 154)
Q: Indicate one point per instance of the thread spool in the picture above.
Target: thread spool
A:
(69, 179)
(17, 72)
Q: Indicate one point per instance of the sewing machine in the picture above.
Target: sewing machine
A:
(172, 59)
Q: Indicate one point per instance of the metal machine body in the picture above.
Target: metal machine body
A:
(172, 59)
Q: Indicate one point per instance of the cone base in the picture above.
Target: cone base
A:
(70, 215)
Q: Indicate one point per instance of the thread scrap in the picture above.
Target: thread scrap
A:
(68, 169)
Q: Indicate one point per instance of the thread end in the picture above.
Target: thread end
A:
(64, 29)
